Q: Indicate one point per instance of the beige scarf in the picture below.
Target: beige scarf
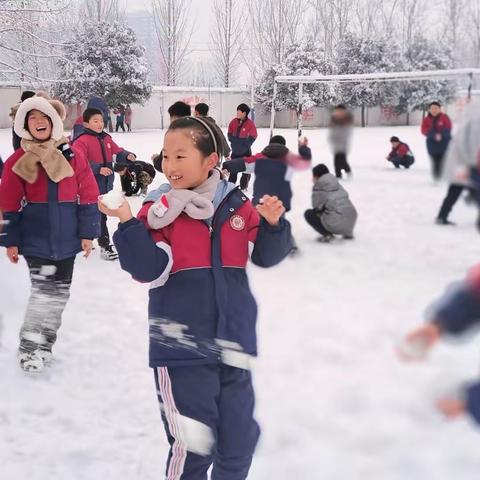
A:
(196, 203)
(48, 156)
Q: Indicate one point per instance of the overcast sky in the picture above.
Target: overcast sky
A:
(200, 13)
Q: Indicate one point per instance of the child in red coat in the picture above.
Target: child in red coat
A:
(48, 197)
(97, 146)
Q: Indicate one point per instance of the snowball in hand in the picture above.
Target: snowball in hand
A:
(113, 199)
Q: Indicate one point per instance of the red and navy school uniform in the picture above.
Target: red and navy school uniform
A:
(273, 169)
(456, 312)
(99, 149)
(241, 135)
(47, 219)
(431, 126)
(401, 155)
(199, 300)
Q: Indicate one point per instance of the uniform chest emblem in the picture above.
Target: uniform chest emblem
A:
(109, 145)
(237, 223)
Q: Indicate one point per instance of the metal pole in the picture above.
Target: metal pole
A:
(470, 84)
(300, 110)
(272, 113)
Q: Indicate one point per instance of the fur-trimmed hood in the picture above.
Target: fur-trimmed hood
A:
(54, 109)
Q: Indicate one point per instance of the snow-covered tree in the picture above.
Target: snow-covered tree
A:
(173, 35)
(423, 54)
(30, 38)
(367, 55)
(227, 39)
(305, 58)
(105, 60)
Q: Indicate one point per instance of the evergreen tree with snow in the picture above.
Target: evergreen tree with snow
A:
(356, 55)
(103, 59)
(306, 58)
(421, 55)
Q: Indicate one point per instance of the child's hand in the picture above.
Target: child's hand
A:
(87, 246)
(418, 343)
(302, 141)
(225, 173)
(438, 137)
(105, 171)
(123, 213)
(12, 254)
(131, 157)
(451, 407)
(271, 209)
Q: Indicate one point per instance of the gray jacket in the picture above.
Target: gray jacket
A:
(464, 149)
(340, 138)
(337, 213)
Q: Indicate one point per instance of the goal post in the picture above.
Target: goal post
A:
(301, 80)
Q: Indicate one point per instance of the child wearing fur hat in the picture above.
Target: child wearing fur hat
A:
(192, 246)
(48, 197)
(99, 149)
(242, 133)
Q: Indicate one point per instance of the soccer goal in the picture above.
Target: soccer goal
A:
(301, 80)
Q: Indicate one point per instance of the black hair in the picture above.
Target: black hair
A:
(243, 107)
(319, 170)
(438, 104)
(179, 109)
(202, 109)
(203, 138)
(25, 124)
(394, 139)
(89, 113)
(278, 139)
(157, 162)
(340, 107)
(27, 94)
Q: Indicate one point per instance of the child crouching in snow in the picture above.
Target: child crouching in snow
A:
(332, 211)
(192, 245)
(400, 155)
(49, 198)
(457, 312)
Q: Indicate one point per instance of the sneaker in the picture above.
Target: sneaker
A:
(325, 238)
(109, 253)
(444, 221)
(348, 237)
(31, 361)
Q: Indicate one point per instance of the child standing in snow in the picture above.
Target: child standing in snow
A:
(273, 169)
(98, 148)
(193, 246)
(437, 127)
(241, 135)
(401, 155)
(332, 211)
(48, 195)
(456, 313)
(340, 137)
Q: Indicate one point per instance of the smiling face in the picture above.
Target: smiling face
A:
(39, 125)
(183, 164)
(95, 123)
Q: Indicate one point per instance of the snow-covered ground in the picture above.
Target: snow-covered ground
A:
(333, 400)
